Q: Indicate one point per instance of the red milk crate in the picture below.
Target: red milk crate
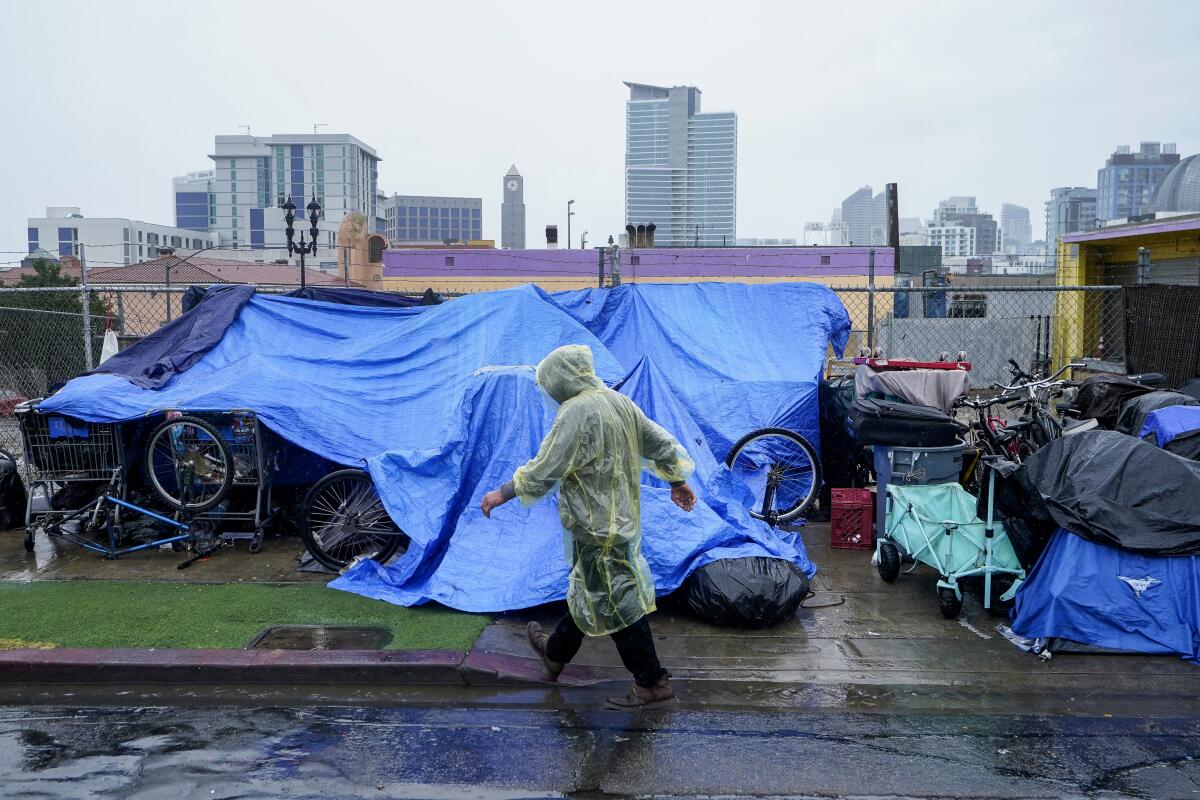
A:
(851, 516)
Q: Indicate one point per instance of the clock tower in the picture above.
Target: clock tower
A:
(512, 211)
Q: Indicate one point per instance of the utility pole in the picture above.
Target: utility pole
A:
(871, 300)
(87, 310)
(893, 235)
(570, 214)
(616, 265)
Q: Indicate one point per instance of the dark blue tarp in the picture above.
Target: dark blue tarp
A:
(1107, 597)
(439, 402)
(179, 344)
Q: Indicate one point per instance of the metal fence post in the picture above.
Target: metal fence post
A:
(87, 310)
(871, 300)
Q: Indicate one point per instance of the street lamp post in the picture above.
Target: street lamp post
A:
(303, 248)
(570, 214)
(583, 240)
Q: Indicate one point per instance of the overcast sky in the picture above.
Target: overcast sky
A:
(104, 102)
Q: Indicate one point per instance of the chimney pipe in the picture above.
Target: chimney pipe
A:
(650, 234)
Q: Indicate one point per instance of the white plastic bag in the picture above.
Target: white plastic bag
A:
(110, 347)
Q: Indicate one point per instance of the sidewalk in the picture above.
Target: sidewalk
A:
(860, 645)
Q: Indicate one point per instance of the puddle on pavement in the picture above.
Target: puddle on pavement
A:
(320, 637)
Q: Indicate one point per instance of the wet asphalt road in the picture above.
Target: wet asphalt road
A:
(505, 752)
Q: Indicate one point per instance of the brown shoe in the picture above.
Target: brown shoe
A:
(538, 639)
(660, 694)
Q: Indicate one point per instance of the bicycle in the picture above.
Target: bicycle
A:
(782, 471)
(103, 515)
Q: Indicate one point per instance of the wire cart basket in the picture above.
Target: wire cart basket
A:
(229, 465)
(61, 451)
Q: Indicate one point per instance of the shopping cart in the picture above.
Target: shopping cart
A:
(227, 461)
(67, 463)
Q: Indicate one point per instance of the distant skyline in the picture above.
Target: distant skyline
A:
(106, 103)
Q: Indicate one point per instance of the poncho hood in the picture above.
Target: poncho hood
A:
(567, 371)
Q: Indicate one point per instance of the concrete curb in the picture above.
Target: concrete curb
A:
(199, 666)
(217, 666)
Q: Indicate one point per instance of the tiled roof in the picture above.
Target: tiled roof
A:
(204, 271)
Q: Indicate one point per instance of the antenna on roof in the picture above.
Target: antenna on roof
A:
(319, 125)
(247, 127)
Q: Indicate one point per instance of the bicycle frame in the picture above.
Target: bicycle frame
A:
(91, 513)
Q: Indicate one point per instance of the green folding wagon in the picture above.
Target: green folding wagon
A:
(937, 525)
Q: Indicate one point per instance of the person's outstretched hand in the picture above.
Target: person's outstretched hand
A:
(683, 496)
(492, 500)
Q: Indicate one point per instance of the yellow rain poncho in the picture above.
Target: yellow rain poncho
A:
(595, 452)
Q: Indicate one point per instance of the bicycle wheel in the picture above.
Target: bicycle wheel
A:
(344, 519)
(188, 458)
(782, 471)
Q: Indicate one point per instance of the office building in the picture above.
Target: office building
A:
(954, 238)
(255, 175)
(108, 241)
(680, 167)
(858, 216)
(512, 211)
(958, 204)
(961, 210)
(194, 200)
(1069, 209)
(1125, 185)
(411, 219)
(1016, 234)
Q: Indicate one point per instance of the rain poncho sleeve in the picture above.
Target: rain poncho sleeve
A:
(666, 456)
(595, 453)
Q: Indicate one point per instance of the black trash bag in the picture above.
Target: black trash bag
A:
(1135, 410)
(1100, 397)
(890, 424)
(751, 592)
(12, 493)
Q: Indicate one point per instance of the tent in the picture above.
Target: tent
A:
(1106, 597)
(438, 403)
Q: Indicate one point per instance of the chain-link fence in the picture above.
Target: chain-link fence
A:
(42, 330)
(1037, 326)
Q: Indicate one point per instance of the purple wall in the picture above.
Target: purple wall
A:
(660, 262)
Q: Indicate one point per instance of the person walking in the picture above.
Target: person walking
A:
(595, 452)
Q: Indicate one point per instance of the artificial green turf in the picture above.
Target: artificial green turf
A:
(127, 614)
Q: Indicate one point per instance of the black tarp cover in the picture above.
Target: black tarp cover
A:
(1101, 397)
(1121, 491)
(1136, 409)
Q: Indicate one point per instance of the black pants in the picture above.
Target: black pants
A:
(635, 644)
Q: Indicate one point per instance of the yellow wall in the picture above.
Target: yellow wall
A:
(1083, 263)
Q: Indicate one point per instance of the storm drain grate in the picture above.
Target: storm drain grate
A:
(320, 637)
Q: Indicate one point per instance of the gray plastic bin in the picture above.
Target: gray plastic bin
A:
(912, 465)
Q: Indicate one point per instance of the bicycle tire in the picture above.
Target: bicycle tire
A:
(794, 509)
(341, 498)
(226, 468)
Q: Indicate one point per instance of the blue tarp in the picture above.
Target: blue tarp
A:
(440, 404)
(1170, 423)
(1107, 597)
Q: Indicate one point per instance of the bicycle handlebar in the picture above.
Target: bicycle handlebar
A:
(1042, 382)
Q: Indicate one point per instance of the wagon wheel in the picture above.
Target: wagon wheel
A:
(344, 519)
